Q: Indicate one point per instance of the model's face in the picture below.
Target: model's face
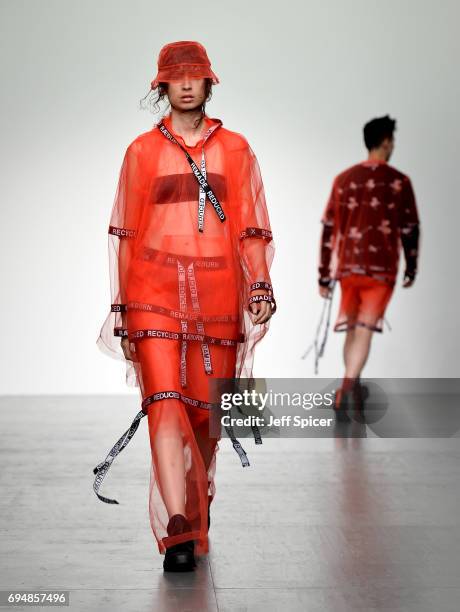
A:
(186, 93)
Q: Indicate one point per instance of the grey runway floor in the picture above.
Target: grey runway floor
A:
(361, 524)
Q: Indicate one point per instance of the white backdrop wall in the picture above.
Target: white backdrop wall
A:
(299, 79)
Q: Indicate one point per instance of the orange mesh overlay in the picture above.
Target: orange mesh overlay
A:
(181, 296)
(183, 58)
(363, 302)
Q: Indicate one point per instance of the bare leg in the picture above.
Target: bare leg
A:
(355, 353)
(347, 346)
(356, 350)
(168, 454)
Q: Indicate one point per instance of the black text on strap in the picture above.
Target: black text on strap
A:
(197, 173)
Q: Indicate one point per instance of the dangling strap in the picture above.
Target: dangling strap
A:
(103, 467)
(184, 326)
(237, 446)
(199, 404)
(256, 434)
(199, 324)
(202, 195)
(327, 305)
(254, 427)
(197, 173)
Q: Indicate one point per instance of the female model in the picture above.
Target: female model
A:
(190, 250)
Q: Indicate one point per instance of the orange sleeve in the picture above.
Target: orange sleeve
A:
(256, 245)
(123, 233)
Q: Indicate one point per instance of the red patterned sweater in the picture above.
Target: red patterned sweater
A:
(371, 212)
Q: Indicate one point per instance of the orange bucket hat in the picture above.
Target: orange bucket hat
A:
(183, 57)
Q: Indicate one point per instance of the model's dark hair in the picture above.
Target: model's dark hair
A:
(377, 130)
(155, 97)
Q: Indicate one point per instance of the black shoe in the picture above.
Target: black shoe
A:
(364, 391)
(340, 406)
(180, 557)
(209, 512)
(360, 394)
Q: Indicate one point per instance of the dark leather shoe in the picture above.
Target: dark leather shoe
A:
(180, 557)
(360, 394)
(340, 406)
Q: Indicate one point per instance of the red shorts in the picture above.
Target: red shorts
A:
(364, 300)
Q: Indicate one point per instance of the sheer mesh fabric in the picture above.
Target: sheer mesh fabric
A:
(183, 58)
(181, 297)
(363, 302)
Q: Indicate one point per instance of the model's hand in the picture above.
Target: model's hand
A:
(261, 311)
(126, 347)
(324, 292)
(408, 282)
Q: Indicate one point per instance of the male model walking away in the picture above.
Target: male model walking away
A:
(371, 212)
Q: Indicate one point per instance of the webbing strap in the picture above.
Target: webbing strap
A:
(327, 306)
(202, 181)
(102, 468)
